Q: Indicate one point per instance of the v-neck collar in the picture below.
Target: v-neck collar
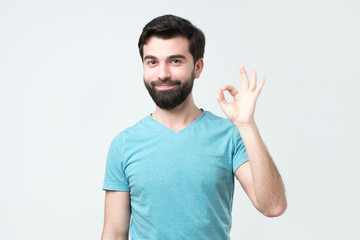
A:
(160, 125)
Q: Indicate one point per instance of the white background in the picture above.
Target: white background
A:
(71, 79)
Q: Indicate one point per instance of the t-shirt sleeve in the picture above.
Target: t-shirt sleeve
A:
(239, 156)
(115, 178)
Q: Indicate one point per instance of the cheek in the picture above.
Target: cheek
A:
(182, 73)
(148, 74)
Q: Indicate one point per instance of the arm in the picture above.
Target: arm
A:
(259, 176)
(117, 216)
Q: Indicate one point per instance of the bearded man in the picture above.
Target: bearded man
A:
(172, 173)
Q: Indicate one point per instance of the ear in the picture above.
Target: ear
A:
(198, 68)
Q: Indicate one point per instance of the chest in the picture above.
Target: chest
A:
(162, 164)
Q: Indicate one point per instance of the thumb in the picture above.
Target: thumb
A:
(220, 97)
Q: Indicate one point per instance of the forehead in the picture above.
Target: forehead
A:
(166, 47)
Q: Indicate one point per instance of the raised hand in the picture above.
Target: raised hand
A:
(241, 110)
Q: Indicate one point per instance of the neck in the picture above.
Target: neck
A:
(178, 117)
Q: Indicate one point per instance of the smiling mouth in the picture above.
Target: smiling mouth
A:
(165, 86)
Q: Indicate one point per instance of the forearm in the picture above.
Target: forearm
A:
(108, 235)
(268, 186)
(117, 216)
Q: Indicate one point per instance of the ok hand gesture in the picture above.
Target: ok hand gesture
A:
(241, 110)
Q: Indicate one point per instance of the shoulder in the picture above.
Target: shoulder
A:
(142, 127)
(219, 122)
(223, 124)
(137, 129)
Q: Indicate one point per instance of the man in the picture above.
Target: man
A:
(173, 172)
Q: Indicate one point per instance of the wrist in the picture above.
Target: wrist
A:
(246, 127)
(244, 124)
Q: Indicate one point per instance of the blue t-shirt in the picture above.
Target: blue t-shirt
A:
(181, 183)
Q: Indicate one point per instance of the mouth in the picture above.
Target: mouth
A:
(165, 86)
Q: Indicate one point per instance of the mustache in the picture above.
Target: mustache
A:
(166, 82)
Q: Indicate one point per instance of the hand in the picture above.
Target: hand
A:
(241, 110)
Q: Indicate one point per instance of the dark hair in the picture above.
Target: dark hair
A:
(169, 26)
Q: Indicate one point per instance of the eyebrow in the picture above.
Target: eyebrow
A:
(170, 57)
(177, 56)
(149, 57)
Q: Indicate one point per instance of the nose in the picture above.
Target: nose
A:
(164, 72)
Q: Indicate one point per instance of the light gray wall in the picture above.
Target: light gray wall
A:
(71, 78)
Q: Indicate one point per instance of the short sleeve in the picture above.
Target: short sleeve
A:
(115, 178)
(239, 152)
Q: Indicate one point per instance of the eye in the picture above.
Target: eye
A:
(150, 62)
(176, 61)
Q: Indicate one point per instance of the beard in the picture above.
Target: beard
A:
(169, 99)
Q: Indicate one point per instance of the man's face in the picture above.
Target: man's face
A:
(169, 71)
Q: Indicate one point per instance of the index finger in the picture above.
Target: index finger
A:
(244, 78)
(231, 89)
